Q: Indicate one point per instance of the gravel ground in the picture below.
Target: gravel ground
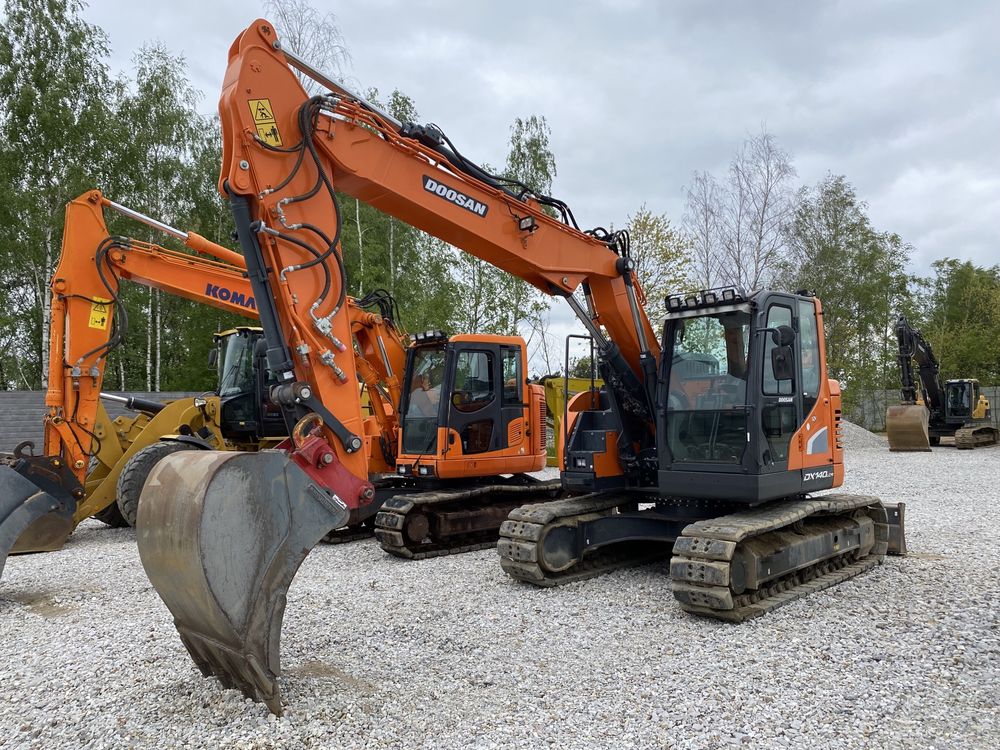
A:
(450, 653)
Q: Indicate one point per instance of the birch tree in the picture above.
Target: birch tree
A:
(738, 225)
(54, 86)
(312, 35)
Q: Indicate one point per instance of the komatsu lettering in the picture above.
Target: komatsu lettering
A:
(453, 196)
(228, 295)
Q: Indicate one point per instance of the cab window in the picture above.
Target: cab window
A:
(809, 352)
(777, 315)
(511, 376)
(474, 386)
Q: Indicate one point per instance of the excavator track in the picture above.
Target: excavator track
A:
(967, 438)
(522, 536)
(432, 524)
(349, 534)
(712, 556)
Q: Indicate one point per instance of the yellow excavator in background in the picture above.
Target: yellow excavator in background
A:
(930, 409)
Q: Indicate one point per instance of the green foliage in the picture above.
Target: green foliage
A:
(492, 300)
(53, 112)
(860, 276)
(962, 319)
(166, 167)
(662, 257)
(582, 367)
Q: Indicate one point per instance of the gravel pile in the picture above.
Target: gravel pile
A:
(450, 653)
(857, 437)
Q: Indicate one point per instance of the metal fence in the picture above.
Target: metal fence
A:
(870, 411)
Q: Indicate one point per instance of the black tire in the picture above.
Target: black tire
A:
(133, 476)
(935, 440)
(112, 516)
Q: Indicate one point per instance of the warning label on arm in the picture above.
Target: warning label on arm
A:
(263, 118)
(100, 313)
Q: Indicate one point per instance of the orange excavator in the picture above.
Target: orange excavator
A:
(44, 497)
(704, 442)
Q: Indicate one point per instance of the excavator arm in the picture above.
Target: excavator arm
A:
(286, 156)
(40, 495)
(913, 347)
(285, 153)
(908, 423)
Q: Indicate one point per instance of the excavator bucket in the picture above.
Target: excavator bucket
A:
(907, 428)
(37, 500)
(221, 535)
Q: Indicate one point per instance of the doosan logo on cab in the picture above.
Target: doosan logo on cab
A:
(452, 195)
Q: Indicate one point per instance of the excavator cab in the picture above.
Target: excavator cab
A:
(749, 413)
(467, 410)
(247, 413)
(961, 397)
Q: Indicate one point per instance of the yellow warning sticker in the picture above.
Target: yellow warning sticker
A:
(268, 133)
(263, 117)
(100, 313)
(261, 110)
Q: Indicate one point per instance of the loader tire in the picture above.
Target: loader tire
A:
(109, 516)
(112, 516)
(133, 476)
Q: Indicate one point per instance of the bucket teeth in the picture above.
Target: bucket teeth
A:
(221, 536)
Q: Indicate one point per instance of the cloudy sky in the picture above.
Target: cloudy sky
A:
(901, 97)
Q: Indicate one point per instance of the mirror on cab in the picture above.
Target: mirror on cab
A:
(783, 355)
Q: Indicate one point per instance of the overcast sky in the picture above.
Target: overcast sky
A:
(901, 97)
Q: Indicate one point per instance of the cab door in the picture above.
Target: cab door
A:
(781, 398)
(476, 407)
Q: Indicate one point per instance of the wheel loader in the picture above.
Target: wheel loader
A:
(931, 410)
(234, 417)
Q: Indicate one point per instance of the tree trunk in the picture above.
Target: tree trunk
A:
(392, 256)
(46, 307)
(158, 332)
(361, 251)
(149, 342)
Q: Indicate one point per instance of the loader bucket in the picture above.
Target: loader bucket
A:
(907, 429)
(221, 535)
(37, 502)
